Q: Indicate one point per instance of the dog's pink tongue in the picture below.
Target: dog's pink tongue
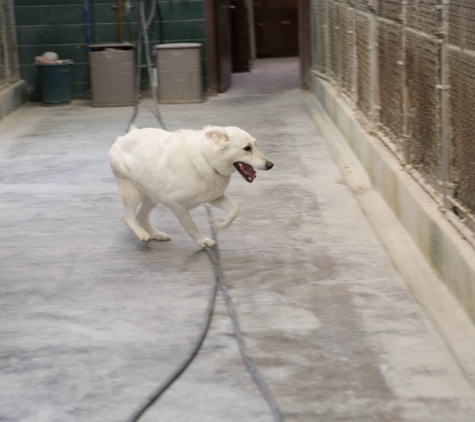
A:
(248, 170)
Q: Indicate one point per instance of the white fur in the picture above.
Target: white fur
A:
(182, 170)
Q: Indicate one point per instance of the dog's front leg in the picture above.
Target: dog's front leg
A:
(185, 219)
(232, 210)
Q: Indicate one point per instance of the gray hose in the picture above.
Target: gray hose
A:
(149, 63)
(153, 397)
(138, 70)
(143, 32)
(151, 13)
(213, 254)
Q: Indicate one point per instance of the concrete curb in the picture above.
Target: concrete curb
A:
(442, 307)
(12, 98)
(450, 256)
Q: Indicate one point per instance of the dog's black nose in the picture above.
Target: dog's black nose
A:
(269, 165)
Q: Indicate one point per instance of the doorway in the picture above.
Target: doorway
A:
(276, 28)
(239, 31)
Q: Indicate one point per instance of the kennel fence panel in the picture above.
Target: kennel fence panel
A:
(318, 34)
(347, 52)
(409, 67)
(390, 9)
(9, 66)
(424, 15)
(462, 104)
(462, 23)
(424, 105)
(390, 59)
(4, 66)
(363, 45)
(362, 5)
(335, 41)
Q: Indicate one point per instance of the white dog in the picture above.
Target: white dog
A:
(182, 170)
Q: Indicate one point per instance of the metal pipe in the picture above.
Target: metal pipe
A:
(327, 37)
(446, 147)
(87, 22)
(355, 58)
(374, 66)
(120, 21)
(404, 111)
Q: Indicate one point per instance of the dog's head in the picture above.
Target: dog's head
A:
(236, 149)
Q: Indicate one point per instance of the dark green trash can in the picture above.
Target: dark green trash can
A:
(55, 82)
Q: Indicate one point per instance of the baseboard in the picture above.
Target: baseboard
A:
(431, 255)
(11, 98)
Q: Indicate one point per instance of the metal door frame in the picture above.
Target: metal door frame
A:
(212, 45)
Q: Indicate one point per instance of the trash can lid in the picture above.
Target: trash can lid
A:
(66, 62)
(178, 45)
(118, 46)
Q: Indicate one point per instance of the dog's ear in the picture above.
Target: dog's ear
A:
(217, 135)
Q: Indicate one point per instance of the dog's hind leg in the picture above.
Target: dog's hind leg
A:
(132, 197)
(232, 210)
(185, 219)
(142, 217)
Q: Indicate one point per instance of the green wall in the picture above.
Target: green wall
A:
(58, 25)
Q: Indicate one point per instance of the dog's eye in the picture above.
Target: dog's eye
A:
(248, 148)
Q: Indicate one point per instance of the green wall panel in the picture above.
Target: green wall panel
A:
(182, 10)
(47, 2)
(57, 15)
(50, 35)
(58, 25)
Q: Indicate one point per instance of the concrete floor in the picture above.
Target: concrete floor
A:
(91, 320)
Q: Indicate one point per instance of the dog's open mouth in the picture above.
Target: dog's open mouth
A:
(246, 171)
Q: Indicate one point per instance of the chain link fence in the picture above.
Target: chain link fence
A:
(363, 62)
(9, 67)
(390, 60)
(408, 67)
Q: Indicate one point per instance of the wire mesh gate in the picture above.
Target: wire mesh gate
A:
(408, 69)
(9, 67)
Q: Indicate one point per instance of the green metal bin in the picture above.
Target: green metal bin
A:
(55, 82)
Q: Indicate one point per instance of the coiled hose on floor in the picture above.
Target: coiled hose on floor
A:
(213, 255)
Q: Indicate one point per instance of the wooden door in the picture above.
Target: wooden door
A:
(276, 27)
(241, 43)
(224, 47)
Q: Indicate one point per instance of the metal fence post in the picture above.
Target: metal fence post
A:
(327, 38)
(445, 117)
(355, 57)
(376, 106)
(313, 35)
(405, 126)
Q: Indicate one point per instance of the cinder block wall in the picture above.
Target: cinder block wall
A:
(59, 26)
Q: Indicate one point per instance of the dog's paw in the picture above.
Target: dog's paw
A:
(161, 236)
(205, 242)
(144, 237)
